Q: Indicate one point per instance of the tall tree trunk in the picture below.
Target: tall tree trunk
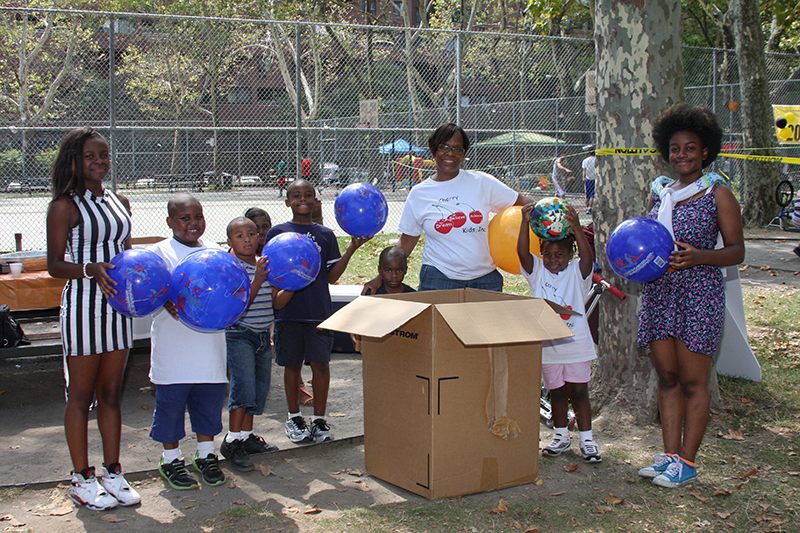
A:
(759, 177)
(639, 74)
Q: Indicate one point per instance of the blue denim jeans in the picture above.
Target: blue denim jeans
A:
(250, 365)
(431, 279)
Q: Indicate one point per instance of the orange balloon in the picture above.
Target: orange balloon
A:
(503, 236)
(733, 105)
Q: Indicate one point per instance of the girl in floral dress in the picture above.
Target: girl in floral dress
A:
(682, 311)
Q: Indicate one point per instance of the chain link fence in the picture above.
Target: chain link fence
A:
(212, 106)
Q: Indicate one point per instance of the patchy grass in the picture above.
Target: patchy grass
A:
(750, 468)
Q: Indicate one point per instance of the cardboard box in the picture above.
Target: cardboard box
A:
(451, 386)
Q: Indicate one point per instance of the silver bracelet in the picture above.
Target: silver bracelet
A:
(86, 274)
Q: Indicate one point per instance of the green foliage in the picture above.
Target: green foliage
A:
(11, 163)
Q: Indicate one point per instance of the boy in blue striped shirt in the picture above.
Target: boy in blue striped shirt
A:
(249, 352)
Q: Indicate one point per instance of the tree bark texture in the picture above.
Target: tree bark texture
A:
(759, 178)
(639, 74)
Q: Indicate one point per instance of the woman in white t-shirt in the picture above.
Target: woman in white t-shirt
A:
(452, 208)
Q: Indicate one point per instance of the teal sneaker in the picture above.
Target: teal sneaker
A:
(677, 474)
(662, 461)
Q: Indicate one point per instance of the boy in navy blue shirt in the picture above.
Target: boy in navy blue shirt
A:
(298, 313)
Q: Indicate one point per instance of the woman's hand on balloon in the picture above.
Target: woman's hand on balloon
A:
(104, 281)
(685, 257)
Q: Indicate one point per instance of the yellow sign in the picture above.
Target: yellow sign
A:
(787, 123)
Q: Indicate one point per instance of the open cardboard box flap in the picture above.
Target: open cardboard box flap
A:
(373, 317)
(504, 322)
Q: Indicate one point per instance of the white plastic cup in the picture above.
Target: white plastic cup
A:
(16, 269)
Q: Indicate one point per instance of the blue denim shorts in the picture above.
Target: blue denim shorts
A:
(298, 342)
(204, 402)
(432, 279)
(250, 366)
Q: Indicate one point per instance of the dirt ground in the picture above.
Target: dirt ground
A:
(300, 485)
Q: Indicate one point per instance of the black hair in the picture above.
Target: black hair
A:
(235, 222)
(255, 212)
(67, 171)
(392, 252)
(685, 117)
(568, 243)
(181, 198)
(443, 134)
(296, 183)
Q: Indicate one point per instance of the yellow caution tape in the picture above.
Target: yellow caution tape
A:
(653, 151)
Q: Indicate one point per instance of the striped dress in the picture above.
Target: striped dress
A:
(89, 325)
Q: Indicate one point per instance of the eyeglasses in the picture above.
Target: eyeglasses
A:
(447, 149)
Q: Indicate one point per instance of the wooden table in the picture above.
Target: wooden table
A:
(32, 290)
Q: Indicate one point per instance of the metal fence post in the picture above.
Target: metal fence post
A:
(112, 105)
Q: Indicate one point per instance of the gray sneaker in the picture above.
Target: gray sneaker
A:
(320, 432)
(297, 430)
(557, 446)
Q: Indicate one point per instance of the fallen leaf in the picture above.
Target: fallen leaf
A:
(558, 493)
(145, 407)
(539, 482)
(699, 496)
(502, 507)
(734, 434)
(532, 529)
(266, 470)
(354, 472)
(745, 267)
(111, 518)
(337, 415)
(721, 492)
(312, 511)
(612, 500)
(238, 502)
(185, 507)
(232, 485)
(603, 509)
(751, 472)
(571, 468)
(724, 515)
(765, 267)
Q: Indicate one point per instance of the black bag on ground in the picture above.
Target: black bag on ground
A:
(12, 332)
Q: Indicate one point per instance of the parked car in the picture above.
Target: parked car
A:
(27, 185)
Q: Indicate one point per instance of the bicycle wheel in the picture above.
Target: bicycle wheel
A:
(784, 193)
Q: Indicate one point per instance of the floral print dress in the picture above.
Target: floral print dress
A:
(689, 304)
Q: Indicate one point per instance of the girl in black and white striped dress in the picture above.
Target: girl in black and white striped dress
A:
(93, 225)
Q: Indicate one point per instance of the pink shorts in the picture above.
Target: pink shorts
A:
(556, 375)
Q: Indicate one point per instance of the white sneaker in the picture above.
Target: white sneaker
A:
(320, 431)
(590, 451)
(557, 446)
(90, 493)
(118, 487)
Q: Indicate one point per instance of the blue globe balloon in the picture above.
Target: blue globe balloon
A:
(361, 210)
(639, 249)
(210, 289)
(294, 261)
(143, 281)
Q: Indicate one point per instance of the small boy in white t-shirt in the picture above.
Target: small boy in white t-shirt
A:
(566, 363)
(187, 366)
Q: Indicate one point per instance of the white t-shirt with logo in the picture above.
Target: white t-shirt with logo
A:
(178, 353)
(454, 216)
(568, 289)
